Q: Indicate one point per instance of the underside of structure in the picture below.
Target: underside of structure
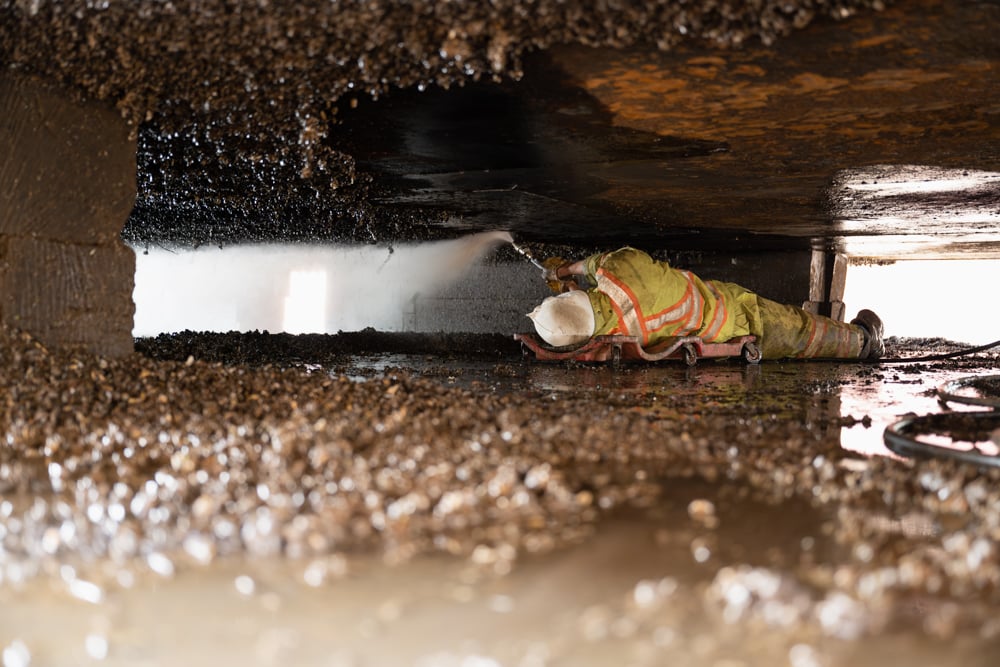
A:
(414, 490)
(705, 133)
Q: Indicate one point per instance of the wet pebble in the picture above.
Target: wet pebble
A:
(16, 654)
(703, 511)
(96, 646)
(178, 466)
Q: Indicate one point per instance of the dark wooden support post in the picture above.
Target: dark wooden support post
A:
(67, 186)
(827, 279)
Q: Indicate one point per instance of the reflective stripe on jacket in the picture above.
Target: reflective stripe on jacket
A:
(635, 295)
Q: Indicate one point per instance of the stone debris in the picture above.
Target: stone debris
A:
(110, 469)
(703, 511)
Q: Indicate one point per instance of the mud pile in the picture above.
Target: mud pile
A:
(262, 348)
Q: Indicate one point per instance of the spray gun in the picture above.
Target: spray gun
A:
(548, 269)
(528, 256)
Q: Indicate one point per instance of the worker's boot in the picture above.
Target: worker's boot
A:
(871, 325)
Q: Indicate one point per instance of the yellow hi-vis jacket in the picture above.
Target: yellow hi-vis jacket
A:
(635, 295)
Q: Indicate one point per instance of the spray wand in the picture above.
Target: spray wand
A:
(548, 269)
(527, 255)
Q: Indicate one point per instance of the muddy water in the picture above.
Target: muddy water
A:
(462, 510)
(849, 403)
(661, 585)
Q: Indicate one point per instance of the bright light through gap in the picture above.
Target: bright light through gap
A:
(297, 288)
(949, 299)
(305, 305)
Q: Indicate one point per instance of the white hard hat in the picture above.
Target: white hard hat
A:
(566, 319)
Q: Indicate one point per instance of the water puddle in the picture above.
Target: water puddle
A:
(646, 573)
(693, 579)
(850, 403)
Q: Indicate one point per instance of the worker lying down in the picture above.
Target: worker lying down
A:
(629, 293)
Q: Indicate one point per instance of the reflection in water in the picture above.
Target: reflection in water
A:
(296, 288)
(986, 447)
(847, 405)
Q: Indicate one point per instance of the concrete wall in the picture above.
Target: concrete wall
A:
(67, 185)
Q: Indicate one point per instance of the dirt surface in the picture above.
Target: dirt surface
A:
(312, 458)
(259, 348)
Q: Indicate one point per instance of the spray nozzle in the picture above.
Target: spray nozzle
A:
(527, 255)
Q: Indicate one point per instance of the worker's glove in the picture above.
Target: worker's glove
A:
(552, 279)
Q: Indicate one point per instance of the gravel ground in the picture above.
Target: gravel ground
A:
(116, 469)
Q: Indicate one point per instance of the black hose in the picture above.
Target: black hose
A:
(949, 392)
(901, 437)
(935, 357)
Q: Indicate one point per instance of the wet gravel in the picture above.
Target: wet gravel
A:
(112, 469)
(262, 348)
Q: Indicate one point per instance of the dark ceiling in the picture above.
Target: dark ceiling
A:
(681, 124)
